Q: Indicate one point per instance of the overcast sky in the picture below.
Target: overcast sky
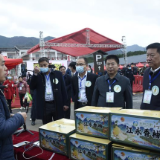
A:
(138, 20)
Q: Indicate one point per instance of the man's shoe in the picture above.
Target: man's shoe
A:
(33, 123)
(21, 107)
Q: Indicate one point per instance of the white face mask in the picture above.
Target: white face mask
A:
(44, 70)
(80, 69)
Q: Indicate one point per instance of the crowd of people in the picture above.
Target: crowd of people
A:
(53, 90)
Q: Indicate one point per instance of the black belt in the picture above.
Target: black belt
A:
(82, 103)
(50, 102)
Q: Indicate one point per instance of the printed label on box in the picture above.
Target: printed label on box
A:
(53, 141)
(83, 150)
(92, 124)
(140, 131)
(126, 155)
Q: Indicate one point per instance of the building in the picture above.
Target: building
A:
(30, 60)
(134, 59)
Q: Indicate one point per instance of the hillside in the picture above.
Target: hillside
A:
(6, 42)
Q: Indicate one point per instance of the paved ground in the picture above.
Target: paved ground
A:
(137, 98)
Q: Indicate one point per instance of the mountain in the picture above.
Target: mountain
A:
(6, 42)
(132, 48)
(135, 47)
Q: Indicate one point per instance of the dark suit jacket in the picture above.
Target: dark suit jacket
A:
(8, 125)
(155, 99)
(67, 80)
(59, 93)
(121, 99)
(89, 90)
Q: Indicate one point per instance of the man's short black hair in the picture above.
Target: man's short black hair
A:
(112, 57)
(62, 67)
(154, 46)
(85, 59)
(43, 59)
(73, 65)
(20, 77)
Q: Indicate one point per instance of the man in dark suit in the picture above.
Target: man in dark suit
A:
(72, 67)
(29, 76)
(134, 69)
(151, 79)
(129, 74)
(82, 84)
(67, 80)
(51, 98)
(112, 89)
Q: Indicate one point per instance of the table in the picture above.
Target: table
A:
(25, 136)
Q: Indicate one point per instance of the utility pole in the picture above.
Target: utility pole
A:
(124, 49)
(41, 43)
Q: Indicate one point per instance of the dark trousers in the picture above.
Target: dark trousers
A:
(21, 96)
(32, 114)
(9, 104)
(67, 113)
(131, 82)
(49, 113)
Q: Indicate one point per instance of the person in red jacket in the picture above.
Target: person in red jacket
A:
(22, 89)
(9, 91)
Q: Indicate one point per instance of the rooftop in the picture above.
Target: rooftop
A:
(134, 59)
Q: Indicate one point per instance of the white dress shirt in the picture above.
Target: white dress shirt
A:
(48, 89)
(82, 88)
(155, 70)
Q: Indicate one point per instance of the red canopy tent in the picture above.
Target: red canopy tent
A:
(79, 38)
(140, 65)
(120, 66)
(12, 63)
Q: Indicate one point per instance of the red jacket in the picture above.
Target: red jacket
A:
(22, 87)
(8, 92)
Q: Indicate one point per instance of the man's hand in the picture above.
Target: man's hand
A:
(14, 95)
(36, 70)
(6, 85)
(65, 108)
(11, 115)
(24, 115)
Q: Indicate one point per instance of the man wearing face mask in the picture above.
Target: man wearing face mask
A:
(129, 74)
(51, 98)
(83, 84)
(90, 69)
(22, 89)
(9, 92)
